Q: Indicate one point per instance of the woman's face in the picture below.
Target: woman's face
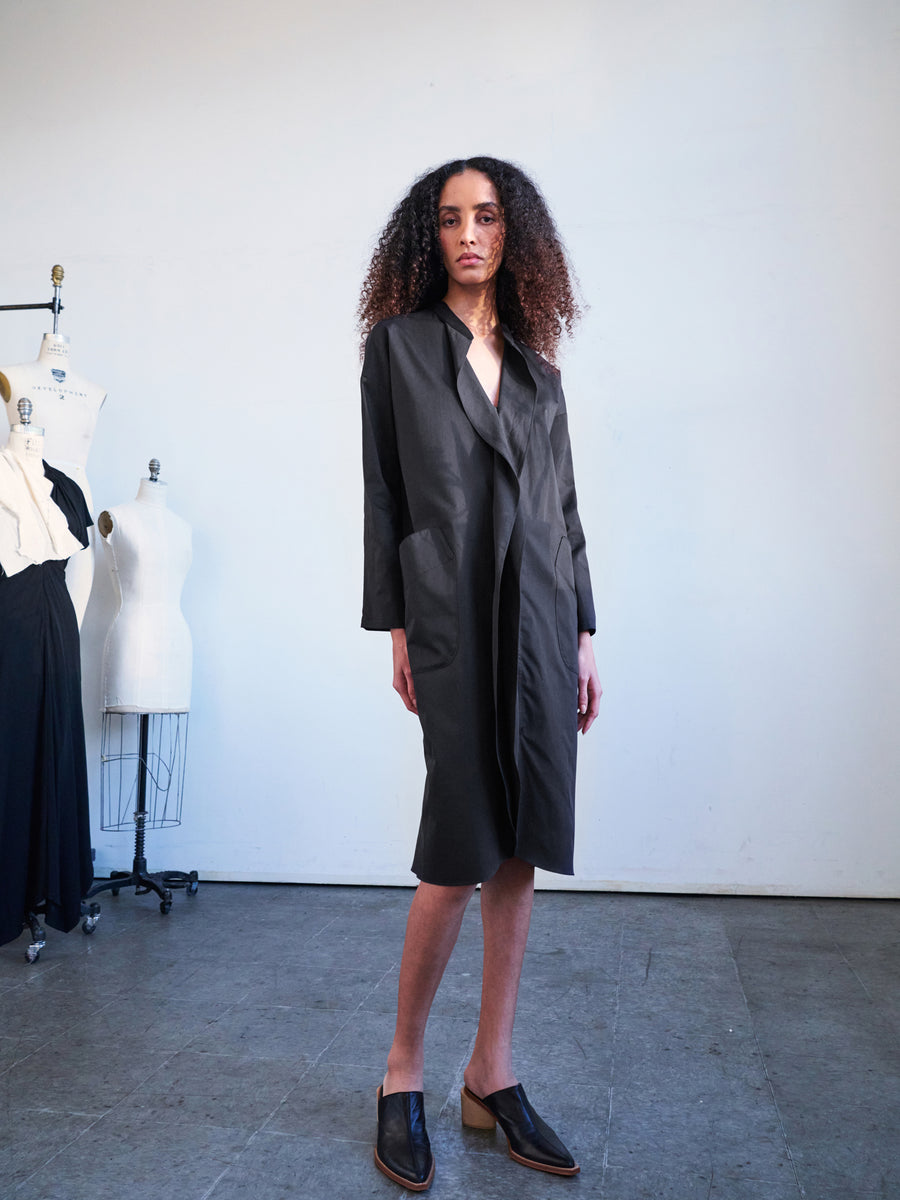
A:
(470, 221)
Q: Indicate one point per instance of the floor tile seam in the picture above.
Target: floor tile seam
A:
(61, 1033)
(313, 1137)
(218, 1179)
(612, 1059)
(17, 987)
(243, 1056)
(46, 1163)
(310, 1066)
(168, 1057)
(325, 927)
(394, 967)
(712, 1180)
(459, 1075)
(726, 1175)
(57, 1112)
(261, 1128)
(19, 1061)
(361, 1006)
(842, 955)
(229, 1008)
(6, 1070)
(313, 1063)
(777, 1108)
(167, 1117)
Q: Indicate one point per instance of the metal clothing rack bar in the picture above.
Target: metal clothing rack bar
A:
(51, 304)
(55, 305)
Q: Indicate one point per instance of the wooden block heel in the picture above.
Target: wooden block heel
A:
(475, 1114)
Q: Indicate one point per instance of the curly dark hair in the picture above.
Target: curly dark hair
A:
(535, 293)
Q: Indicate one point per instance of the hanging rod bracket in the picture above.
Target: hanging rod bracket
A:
(55, 305)
(51, 304)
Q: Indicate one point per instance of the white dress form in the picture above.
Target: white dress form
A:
(147, 658)
(26, 445)
(32, 528)
(67, 406)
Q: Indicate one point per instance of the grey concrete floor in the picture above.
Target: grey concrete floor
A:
(685, 1048)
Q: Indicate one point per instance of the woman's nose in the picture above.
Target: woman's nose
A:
(467, 231)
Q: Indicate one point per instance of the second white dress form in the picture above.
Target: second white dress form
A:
(147, 659)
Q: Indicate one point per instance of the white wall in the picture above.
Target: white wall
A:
(211, 176)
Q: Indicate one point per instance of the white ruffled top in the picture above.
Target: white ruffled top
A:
(32, 528)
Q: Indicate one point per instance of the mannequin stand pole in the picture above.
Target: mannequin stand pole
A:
(142, 880)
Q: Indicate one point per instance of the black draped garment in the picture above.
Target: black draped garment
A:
(45, 844)
(474, 545)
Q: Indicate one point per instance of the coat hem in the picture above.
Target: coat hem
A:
(483, 879)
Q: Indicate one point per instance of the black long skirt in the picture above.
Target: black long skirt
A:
(45, 844)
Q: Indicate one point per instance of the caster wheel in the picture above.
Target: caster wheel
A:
(32, 954)
(165, 906)
(89, 924)
(191, 889)
(114, 891)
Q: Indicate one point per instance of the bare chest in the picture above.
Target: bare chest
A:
(485, 357)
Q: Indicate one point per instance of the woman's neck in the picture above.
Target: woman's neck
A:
(54, 350)
(475, 307)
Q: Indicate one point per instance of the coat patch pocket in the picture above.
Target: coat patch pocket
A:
(566, 605)
(430, 590)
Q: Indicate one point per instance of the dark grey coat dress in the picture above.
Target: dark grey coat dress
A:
(473, 544)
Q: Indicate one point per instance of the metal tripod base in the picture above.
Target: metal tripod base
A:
(144, 882)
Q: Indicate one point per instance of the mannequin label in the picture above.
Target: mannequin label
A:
(62, 393)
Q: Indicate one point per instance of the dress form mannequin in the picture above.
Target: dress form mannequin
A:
(147, 656)
(26, 441)
(34, 529)
(68, 406)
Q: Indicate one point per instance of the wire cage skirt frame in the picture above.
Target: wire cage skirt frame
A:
(142, 763)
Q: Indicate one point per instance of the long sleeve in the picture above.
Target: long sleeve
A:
(565, 476)
(383, 605)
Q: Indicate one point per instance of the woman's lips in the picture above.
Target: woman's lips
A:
(468, 260)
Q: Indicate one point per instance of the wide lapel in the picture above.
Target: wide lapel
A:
(481, 413)
(518, 395)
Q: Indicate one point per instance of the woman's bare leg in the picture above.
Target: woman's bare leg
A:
(506, 903)
(432, 928)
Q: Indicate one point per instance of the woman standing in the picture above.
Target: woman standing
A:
(475, 561)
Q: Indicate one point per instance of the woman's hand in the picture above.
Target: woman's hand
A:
(589, 689)
(403, 680)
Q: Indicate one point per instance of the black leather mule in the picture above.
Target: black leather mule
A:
(403, 1151)
(531, 1140)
